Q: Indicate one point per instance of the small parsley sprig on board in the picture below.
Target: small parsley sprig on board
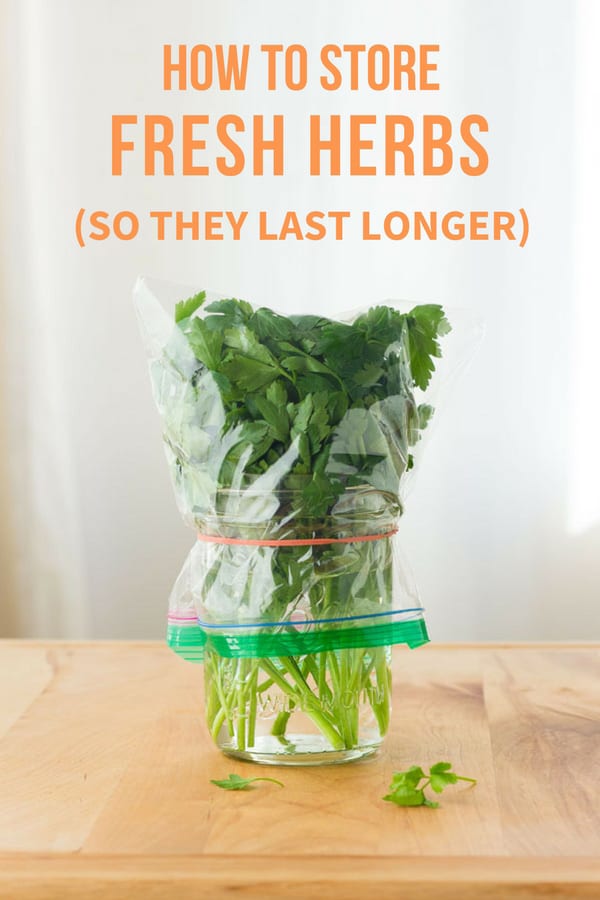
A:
(408, 788)
(235, 782)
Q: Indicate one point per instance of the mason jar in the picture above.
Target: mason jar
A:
(331, 706)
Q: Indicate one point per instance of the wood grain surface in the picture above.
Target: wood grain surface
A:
(105, 766)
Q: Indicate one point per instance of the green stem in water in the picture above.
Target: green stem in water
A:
(219, 668)
(340, 680)
(253, 691)
(311, 706)
(242, 671)
(215, 726)
(379, 693)
(278, 678)
(281, 722)
(213, 704)
(322, 685)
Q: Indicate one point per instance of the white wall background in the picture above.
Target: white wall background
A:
(503, 526)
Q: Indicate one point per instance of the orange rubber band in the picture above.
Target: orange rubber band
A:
(293, 542)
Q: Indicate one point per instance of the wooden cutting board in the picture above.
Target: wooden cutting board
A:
(105, 768)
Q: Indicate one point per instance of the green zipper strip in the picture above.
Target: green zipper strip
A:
(189, 641)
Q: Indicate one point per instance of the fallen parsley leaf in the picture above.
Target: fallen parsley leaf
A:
(408, 788)
(237, 783)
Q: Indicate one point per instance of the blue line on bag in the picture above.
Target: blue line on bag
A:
(393, 612)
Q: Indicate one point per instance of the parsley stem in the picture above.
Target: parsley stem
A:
(312, 707)
(216, 724)
(343, 708)
(281, 721)
(242, 670)
(272, 780)
(213, 705)
(277, 677)
(252, 687)
(382, 706)
(221, 670)
(322, 679)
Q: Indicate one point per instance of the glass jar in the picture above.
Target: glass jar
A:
(326, 707)
(289, 608)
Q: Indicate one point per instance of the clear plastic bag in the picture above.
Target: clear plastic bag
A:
(291, 441)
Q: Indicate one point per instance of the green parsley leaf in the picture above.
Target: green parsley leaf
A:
(408, 788)
(404, 795)
(238, 310)
(268, 324)
(321, 493)
(237, 783)
(275, 416)
(425, 324)
(306, 364)
(206, 344)
(247, 344)
(301, 415)
(368, 375)
(411, 777)
(441, 776)
(277, 393)
(186, 308)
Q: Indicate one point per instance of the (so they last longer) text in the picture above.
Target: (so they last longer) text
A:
(314, 225)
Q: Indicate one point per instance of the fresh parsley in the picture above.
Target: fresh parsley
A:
(235, 782)
(338, 396)
(285, 427)
(408, 788)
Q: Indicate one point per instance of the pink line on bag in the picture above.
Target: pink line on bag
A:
(173, 618)
(292, 542)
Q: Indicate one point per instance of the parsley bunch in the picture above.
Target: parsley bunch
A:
(283, 427)
(341, 394)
